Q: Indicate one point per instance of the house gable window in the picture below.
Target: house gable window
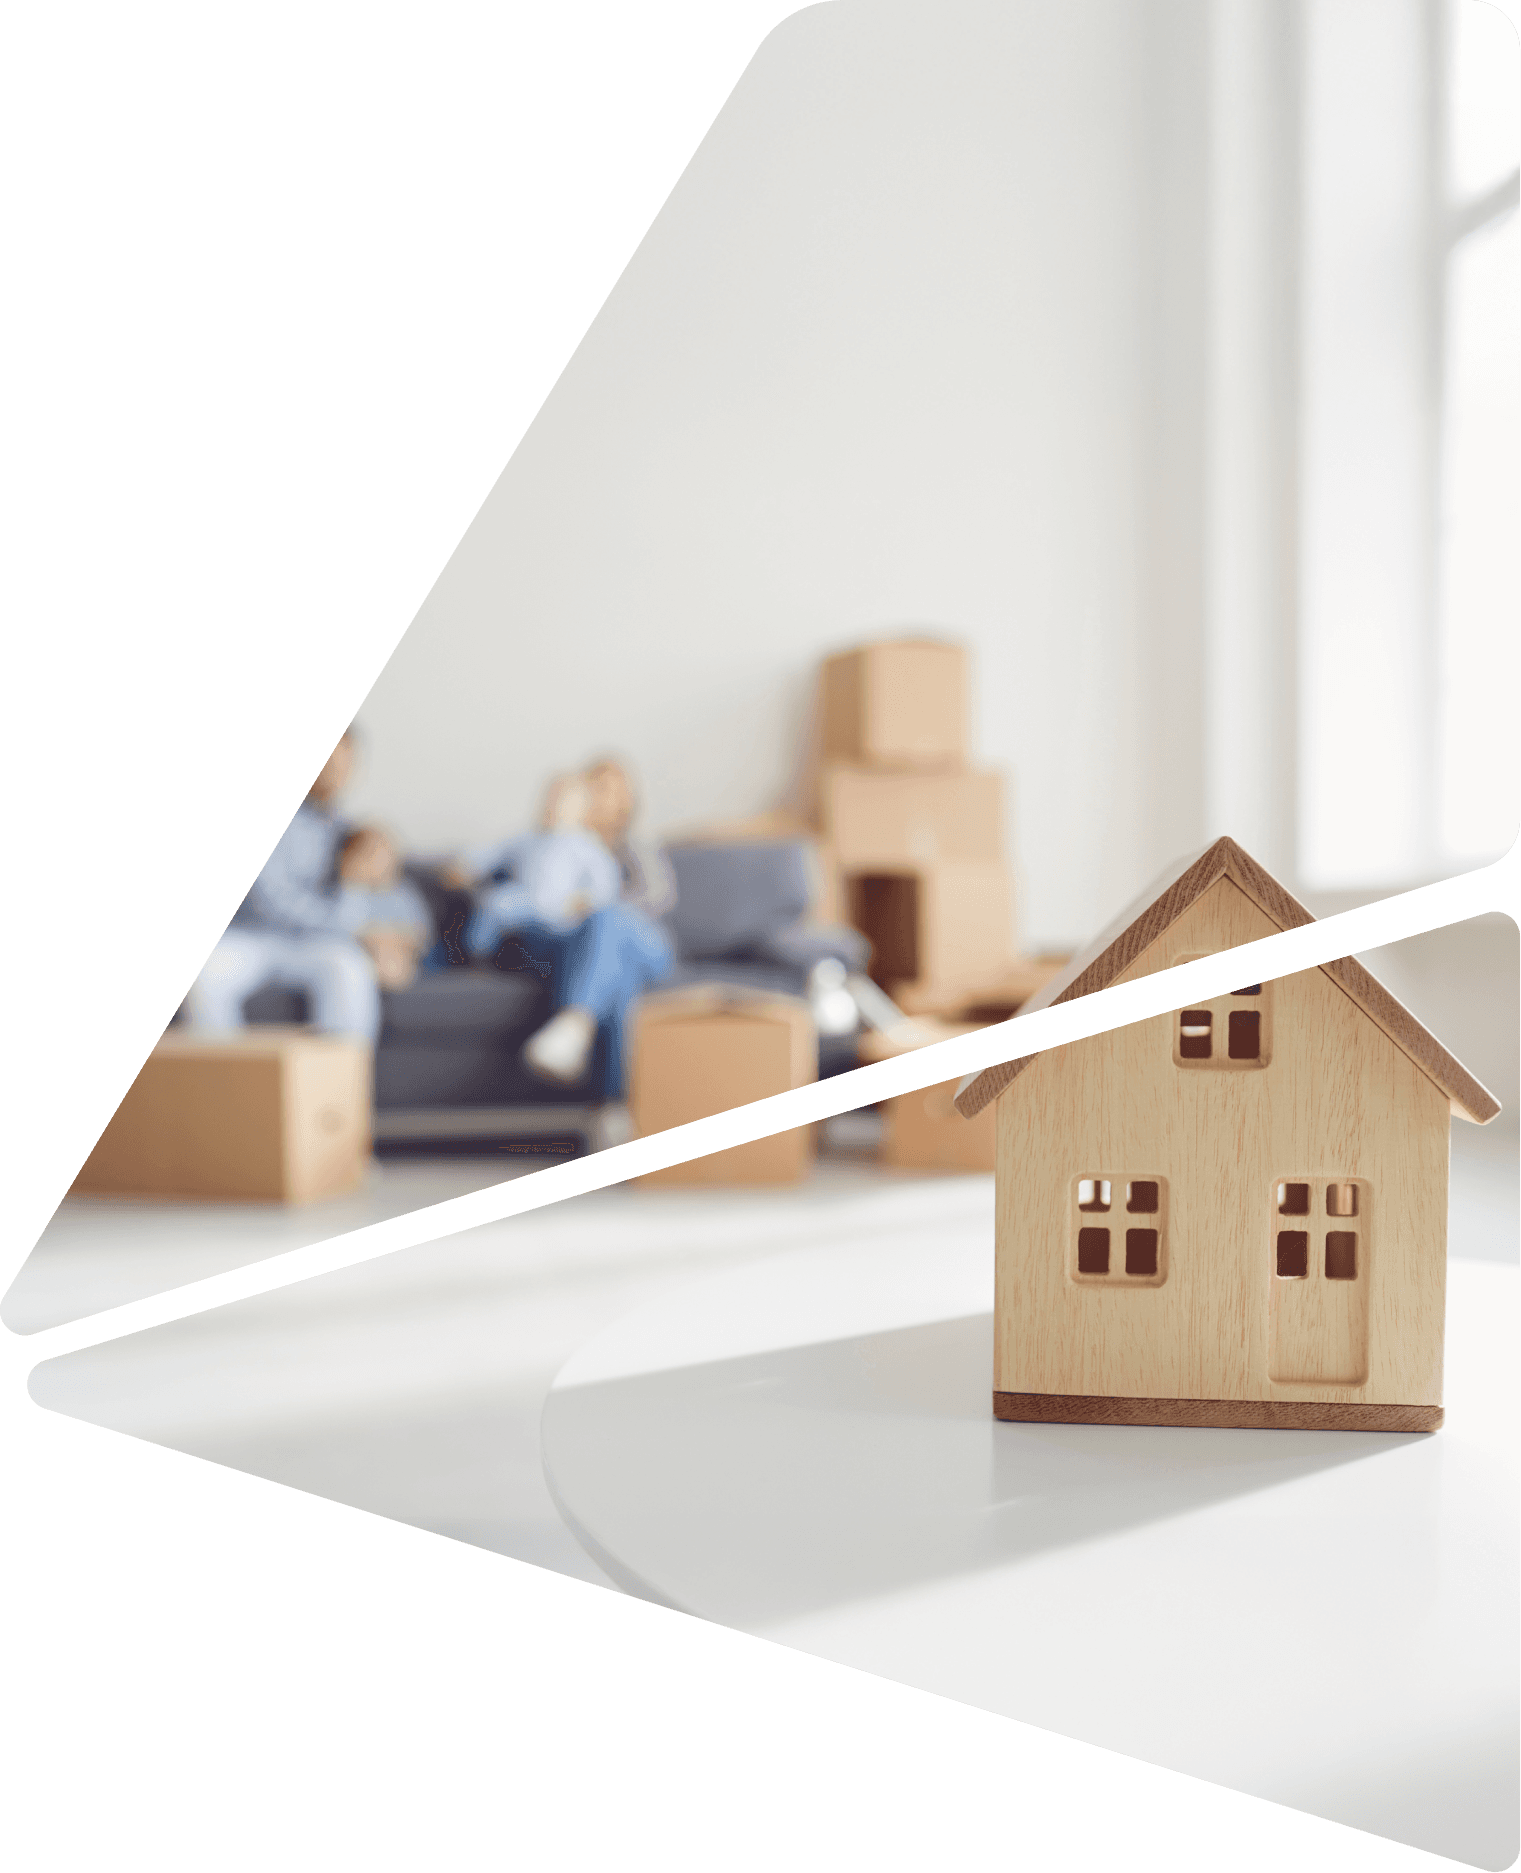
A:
(1225, 1034)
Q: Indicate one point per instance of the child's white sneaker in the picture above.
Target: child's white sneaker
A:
(562, 1048)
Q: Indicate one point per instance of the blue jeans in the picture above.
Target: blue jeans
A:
(333, 972)
(602, 965)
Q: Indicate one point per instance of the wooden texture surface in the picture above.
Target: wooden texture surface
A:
(1339, 1102)
(1112, 954)
(1224, 1414)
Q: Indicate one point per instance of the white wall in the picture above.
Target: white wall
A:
(909, 345)
(1004, 318)
(1369, 434)
(1462, 982)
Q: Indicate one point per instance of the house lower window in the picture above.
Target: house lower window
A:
(1118, 1229)
(1318, 1227)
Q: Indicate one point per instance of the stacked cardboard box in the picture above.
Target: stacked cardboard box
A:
(913, 834)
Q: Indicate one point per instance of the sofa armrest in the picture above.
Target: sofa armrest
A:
(802, 945)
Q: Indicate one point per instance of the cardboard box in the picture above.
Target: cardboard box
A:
(876, 819)
(755, 828)
(700, 1051)
(936, 930)
(276, 1114)
(923, 1131)
(995, 998)
(829, 894)
(901, 704)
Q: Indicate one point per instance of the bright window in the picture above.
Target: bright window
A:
(1478, 559)
(1409, 443)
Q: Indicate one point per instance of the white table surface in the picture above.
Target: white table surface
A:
(804, 1449)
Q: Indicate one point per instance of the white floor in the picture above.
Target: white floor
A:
(411, 1386)
(100, 1252)
(414, 1386)
(803, 1449)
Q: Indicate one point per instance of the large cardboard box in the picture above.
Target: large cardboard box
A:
(278, 1114)
(700, 1051)
(898, 704)
(872, 818)
(936, 930)
(923, 1131)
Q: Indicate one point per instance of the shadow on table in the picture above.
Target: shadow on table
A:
(786, 1482)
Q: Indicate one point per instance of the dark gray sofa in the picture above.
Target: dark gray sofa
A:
(448, 1067)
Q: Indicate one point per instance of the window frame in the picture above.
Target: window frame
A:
(1254, 998)
(1318, 1222)
(1119, 1220)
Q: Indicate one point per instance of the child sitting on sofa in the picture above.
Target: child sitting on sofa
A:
(395, 927)
(553, 878)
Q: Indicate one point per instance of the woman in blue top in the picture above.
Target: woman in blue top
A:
(581, 899)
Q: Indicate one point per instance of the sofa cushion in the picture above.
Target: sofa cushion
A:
(803, 945)
(452, 1007)
(448, 906)
(419, 1073)
(466, 1006)
(730, 897)
(281, 1007)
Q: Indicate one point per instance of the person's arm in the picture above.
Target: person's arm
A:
(292, 894)
(603, 879)
(649, 882)
(570, 875)
(483, 861)
(398, 927)
(401, 911)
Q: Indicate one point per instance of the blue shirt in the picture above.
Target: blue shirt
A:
(400, 907)
(298, 892)
(540, 873)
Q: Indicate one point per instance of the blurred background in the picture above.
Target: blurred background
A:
(1163, 355)
(1152, 370)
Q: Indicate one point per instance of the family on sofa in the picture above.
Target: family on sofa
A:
(332, 918)
(501, 980)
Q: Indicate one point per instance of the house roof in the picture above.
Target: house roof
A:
(1113, 951)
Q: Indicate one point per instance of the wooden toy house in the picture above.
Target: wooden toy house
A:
(1235, 1214)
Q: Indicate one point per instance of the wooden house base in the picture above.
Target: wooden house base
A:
(1228, 1414)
